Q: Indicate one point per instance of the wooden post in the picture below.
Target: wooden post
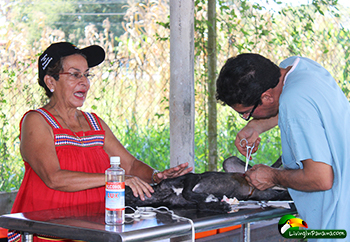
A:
(212, 108)
(181, 100)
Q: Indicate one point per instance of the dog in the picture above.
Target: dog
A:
(205, 191)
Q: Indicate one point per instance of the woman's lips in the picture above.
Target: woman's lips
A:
(80, 94)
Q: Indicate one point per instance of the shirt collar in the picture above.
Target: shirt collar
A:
(294, 65)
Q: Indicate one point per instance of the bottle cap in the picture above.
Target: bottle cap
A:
(115, 160)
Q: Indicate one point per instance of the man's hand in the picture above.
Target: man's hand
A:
(260, 176)
(251, 136)
(251, 133)
(315, 176)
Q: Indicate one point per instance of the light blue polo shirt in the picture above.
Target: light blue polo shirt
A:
(314, 119)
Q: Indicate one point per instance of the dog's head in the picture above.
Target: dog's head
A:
(234, 164)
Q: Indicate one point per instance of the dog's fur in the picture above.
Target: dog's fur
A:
(205, 191)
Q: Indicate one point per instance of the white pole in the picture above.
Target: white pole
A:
(181, 98)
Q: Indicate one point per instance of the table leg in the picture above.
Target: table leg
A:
(245, 232)
(27, 237)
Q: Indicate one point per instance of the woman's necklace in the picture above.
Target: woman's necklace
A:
(80, 139)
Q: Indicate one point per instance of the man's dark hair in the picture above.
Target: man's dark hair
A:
(244, 78)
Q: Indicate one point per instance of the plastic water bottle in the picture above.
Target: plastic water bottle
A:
(115, 193)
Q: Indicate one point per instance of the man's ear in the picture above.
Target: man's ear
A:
(50, 82)
(268, 97)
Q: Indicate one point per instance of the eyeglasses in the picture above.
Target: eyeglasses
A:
(77, 75)
(243, 115)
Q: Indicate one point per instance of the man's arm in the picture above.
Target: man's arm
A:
(315, 176)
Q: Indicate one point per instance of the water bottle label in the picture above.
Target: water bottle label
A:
(115, 196)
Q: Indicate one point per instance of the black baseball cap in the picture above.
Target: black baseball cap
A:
(94, 54)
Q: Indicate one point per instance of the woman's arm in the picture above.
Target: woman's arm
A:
(139, 174)
(129, 163)
(38, 149)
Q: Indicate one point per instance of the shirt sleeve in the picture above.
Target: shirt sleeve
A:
(304, 134)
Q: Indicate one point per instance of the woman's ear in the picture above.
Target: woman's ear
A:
(50, 82)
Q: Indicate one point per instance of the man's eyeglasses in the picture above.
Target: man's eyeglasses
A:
(77, 75)
(247, 115)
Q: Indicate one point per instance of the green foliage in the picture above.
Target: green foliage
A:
(11, 172)
(130, 92)
(245, 26)
(150, 144)
(71, 17)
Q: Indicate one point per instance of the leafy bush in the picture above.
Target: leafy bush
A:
(130, 92)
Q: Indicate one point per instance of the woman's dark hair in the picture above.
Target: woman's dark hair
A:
(51, 71)
(244, 78)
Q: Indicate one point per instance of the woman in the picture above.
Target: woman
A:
(65, 150)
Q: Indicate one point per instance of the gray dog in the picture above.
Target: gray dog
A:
(205, 191)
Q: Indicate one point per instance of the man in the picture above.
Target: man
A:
(313, 115)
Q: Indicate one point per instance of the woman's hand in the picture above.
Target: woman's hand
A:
(179, 170)
(138, 186)
(141, 188)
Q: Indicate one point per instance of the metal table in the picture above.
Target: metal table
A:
(86, 223)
